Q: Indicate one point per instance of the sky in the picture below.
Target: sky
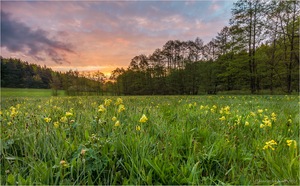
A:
(103, 35)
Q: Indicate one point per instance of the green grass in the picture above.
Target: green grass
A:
(199, 140)
(24, 92)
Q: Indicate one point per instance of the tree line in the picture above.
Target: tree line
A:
(258, 51)
(20, 74)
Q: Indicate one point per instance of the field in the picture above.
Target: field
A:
(22, 92)
(150, 140)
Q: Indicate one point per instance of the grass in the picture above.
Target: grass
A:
(186, 140)
(24, 92)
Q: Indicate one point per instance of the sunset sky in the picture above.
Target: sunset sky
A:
(103, 35)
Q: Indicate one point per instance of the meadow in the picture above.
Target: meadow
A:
(150, 140)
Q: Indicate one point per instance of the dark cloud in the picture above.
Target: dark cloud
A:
(18, 37)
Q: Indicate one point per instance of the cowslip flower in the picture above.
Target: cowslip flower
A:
(291, 143)
(143, 119)
(138, 128)
(56, 124)
(13, 112)
(273, 116)
(266, 121)
(47, 120)
(119, 101)
(117, 123)
(69, 114)
(252, 114)
(121, 108)
(63, 119)
(270, 144)
(246, 123)
(114, 118)
(101, 108)
(225, 110)
(107, 102)
(222, 118)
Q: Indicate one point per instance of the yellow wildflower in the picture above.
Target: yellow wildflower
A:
(262, 126)
(114, 118)
(225, 110)
(69, 114)
(291, 143)
(246, 123)
(121, 108)
(138, 128)
(143, 119)
(101, 108)
(63, 119)
(201, 107)
(9, 123)
(107, 102)
(222, 118)
(117, 123)
(47, 120)
(266, 121)
(273, 116)
(260, 111)
(269, 144)
(56, 124)
(119, 101)
(13, 112)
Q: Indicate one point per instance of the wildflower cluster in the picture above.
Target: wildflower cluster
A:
(213, 109)
(121, 108)
(291, 143)
(47, 119)
(225, 110)
(119, 101)
(270, 144)
(273, 116)
(101, 108)
(13, 112)
(107, 102)
(266, 122)
(117, 123)
(143, 119)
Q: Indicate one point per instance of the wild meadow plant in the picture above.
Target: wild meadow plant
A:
(150, 140)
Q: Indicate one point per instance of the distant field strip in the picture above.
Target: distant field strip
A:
(24, 92)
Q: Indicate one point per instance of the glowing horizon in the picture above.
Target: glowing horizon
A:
(102, 35)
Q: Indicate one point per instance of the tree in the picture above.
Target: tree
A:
(247, 23)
